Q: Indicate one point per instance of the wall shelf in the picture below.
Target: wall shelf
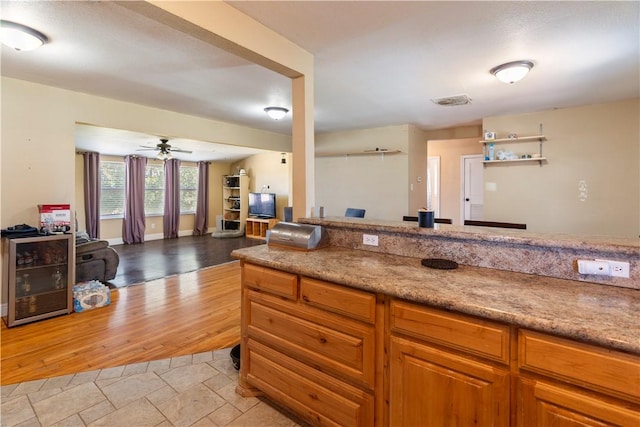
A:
(532, 138)
(235, 193)
(515, 140)
(361, 153)
(537, 159)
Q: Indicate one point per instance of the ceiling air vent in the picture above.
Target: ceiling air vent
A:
(452, 101)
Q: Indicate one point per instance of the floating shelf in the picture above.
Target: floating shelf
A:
(514, 140)
(537, 159)
(361, 153)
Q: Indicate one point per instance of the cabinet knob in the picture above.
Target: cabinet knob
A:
(305, 298)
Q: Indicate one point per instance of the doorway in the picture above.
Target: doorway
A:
(472, 205)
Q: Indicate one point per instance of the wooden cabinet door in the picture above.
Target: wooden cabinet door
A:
(542, 404)
(430, 387)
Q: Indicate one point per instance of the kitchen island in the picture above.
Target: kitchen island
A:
(344, 336)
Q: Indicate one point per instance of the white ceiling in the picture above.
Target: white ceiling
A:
(377, 63)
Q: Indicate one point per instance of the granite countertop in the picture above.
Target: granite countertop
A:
(623, 245)
(597, 314)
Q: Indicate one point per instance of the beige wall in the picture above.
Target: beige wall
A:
(417, 170)
(460, 132)
(598, 144)
(38, 140)
(378, 183)
(267, 170)
(450, 151)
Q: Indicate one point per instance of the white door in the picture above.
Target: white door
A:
(472, 183)
(433, 184)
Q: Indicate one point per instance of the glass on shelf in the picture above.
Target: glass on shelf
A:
(57, 279)
(33, 307)
(26, 283)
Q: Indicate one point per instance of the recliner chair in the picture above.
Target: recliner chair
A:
(95, 259)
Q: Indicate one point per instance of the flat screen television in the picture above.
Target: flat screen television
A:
(262, 205)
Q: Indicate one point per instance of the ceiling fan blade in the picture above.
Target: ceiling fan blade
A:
(147, 149)
(177, 150)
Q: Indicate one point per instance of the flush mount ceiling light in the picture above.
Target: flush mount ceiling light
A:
(276, 113)
(512, 72)
(20, 37)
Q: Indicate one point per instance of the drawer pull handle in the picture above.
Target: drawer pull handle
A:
(323, 340)
(305, 298)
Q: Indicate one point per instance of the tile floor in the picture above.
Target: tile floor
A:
(196, 390)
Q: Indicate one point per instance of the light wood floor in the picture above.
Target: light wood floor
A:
(175, 316)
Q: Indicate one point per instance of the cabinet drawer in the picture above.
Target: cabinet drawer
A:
(582, 364)
(313, 395)
(476, 336)
(343, 346)
(338, 299)
(270, 280)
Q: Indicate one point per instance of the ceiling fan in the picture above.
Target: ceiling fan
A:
(164, 149)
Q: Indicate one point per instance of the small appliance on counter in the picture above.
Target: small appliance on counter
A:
(297, 236)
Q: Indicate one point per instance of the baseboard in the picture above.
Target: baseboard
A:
(157, 236)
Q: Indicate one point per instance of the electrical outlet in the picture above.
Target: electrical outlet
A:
(597, 267)
(370, 240)
(617, 268)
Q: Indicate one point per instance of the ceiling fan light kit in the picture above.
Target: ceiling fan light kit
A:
(512, 72)
(276, 113)
(164, 155)
(20, 37)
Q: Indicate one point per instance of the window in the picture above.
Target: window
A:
(188, 189)
(111, 189)
(154, 190)
(112, 176)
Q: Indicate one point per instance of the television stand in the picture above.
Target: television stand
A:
(256, 228)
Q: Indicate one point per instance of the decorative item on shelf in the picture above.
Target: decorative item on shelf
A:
(513, 136)
(489, 136)
(491, 155)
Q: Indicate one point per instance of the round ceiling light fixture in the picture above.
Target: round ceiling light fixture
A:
(512, 72)
(20, 37)
(276, 113)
